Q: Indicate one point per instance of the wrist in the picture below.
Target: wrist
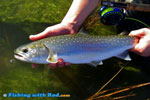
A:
(73, 26)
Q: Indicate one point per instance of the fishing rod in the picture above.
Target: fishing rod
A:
(127, 6)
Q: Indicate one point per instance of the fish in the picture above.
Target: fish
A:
(76, 49)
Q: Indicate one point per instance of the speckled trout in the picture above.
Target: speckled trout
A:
(76, 49)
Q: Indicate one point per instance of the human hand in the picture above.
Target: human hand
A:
(58, 29)
(143, 46)
(60, 63)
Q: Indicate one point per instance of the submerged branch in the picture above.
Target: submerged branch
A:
(122, 90)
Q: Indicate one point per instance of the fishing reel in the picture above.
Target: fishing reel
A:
(111, 15)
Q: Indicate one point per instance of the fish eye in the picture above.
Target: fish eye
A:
(25, 50)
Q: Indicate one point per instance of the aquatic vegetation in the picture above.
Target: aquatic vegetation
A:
(109, 94)
(34, 11)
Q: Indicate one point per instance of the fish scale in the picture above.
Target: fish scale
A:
(76, 49)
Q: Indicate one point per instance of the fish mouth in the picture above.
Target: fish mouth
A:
(19, 57)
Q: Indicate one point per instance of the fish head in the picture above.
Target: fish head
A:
(33, 53)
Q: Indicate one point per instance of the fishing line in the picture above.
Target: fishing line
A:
(129, 18)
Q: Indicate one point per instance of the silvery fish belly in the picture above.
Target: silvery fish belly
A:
(76, 49)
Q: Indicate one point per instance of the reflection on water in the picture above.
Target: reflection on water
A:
(80, 81)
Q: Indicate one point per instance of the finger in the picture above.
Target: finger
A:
(60, 62)
(137, 33)
(53, 65)
(140, 48)
(67, 64)
(49, 31)
(38, 36)
(35, 65)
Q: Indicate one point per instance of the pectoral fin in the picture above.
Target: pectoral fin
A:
(125, 55)
(52, 58)
(96, 63)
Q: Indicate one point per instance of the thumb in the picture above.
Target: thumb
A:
(37, 36)
(41, 35)
(49, 31)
